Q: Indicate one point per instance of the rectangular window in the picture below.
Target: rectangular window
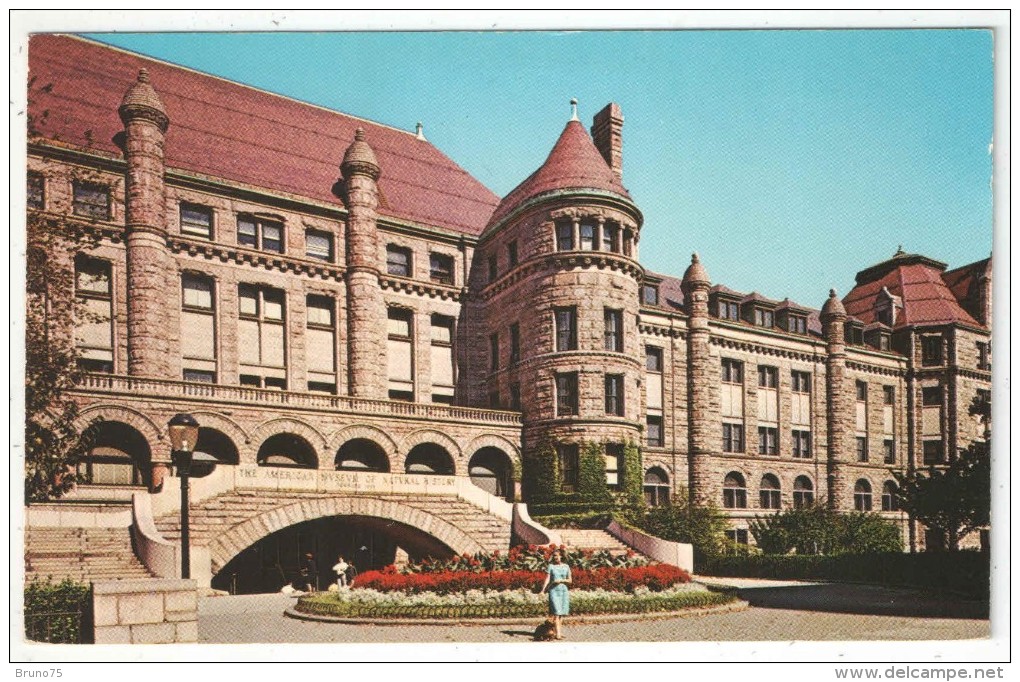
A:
(196, 220)
(36, 195)
(320, 344)
(862, 391)
(614, 394)
(493, 352)
(609, 237)
(443, 388)
(398, 261)
(515, 343)
(511, 255)
(862, 448)
(653, 430)
(931, 351)
(94, 331)
(614, 464)
(984, 356)
(319, 245)
(613, 330)
(567, 456)
(566, 329)
(889, 451)
(738, 536)
(196, 291)
(398, 323)
(200, 376)
(768, 377)
(566, 394)
(888, 395)
(441, 268)
(493, 269)
(931, 396)
(933, 452)
(587, 232)
(320, 311)
(802, 444)
(649, 294)
(91, 200)
(733, 437)
(763, 318)
(515, 397)
(564, 236)
(653, 359)
(261, 334)
(729, 310)
(321, 387)
(732, 371)
(260, 233)
(797, 324)
(768, 440)
(442, 330)
(801, 382)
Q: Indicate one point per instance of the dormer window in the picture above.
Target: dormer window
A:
(884, 342)
(763, 318)
(854, 334)
(885, 316)
(649, 294)
(797, 324)
(729, 310)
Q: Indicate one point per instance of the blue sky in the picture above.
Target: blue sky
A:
(788, 159)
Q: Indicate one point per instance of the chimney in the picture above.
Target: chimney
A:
(607, 132)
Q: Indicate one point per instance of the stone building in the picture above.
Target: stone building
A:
(366, 332)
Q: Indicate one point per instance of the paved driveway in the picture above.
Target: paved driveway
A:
(779, 611)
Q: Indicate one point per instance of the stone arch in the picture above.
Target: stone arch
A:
(231, 543)
(225, 425)
(117, 454)
(368, 432)
(499, 442)
(287, 450)
(126, 415)
(431, 436)
(289, 425)
(430, 458)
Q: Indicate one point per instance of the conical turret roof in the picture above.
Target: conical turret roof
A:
(573, 163)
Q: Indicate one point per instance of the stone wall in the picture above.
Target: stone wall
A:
(145, 611)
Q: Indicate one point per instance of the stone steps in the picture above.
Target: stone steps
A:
(81, 554)
(592, 540)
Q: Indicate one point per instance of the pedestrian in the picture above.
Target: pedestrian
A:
(310, 573)
(556, 580)
(341, 572)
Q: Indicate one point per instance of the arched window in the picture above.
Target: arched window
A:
(117, 455)
(287, 450)
(770, 494)
(803, 493)
(490, 469)
(862, 496)
(217, 444)
(362, 454)
(734, 492)
(429, 458)
(656, 487)
(889, 497)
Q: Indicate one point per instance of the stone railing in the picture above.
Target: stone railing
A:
(676, 553)
(530, 532)
(137, 387)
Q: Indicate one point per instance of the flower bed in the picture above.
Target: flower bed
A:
(527, 558)
(523, 603)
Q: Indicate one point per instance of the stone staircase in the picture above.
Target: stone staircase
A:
(81, 554)
(216, 515)
(593, 540)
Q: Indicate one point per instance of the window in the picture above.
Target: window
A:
(319, 245)
(738, 536)
(931, 351)
(259, 233)
(734, 491)
(609, 237)
(885, 316)
(566, 329)
(515, 397)
(398, 261)
(493, 352)
(931, 396)
(494, 400)
(196, 221)
(933, 452)
(91, 200)
(198, 328)
(493, 269)
(803, 493)
(862, 391)
(196, 292)
(511, 254)
(862, 496)
(36, 194)
(656, 487)
(763, 318)
(613, 330)
(564, 236)
(797, 324)
(94, 331)
(653, 431)
(733, 437)
(515, 343)
(889, 451)
(653, 359)
(400, 354)
(770, 492)
(732, 371)
(768, 377)
(441, 268)
(587, 232)
(862, 448)
(320, 344)
(442, 359)
(854, 334)
(888, 395)
(614, 464)
(729, 310)
(200, 376)
(768, 440)
(802, 444)
(649, 294)
(566, 394)
(889, 497)
(801, 382)
(261, 336)
(884, 342)
(614, 394)
(984, 353)
(567, 457)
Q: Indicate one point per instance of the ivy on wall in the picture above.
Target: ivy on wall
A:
(543, 490)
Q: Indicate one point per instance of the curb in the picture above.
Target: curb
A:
(739, 605)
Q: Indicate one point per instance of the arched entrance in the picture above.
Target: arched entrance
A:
(491, 470)
(117, 454)
(362, 454)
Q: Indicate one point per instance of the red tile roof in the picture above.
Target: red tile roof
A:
(233, 132)
(573, 163)
(918, 281)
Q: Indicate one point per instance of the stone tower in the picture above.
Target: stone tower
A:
(701, 388)
(366, 313)
(837, 401)
(148, 263)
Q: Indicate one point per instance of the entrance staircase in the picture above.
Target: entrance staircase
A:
(595, 540)
(81, 554)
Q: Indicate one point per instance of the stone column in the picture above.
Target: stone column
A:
(366, 312)
(839, 414)
(700, 439)
(149, 265)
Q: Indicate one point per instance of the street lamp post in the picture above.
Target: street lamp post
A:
(183, 430)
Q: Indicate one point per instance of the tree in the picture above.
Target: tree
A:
(704, 527)
(819, 530)
(953, 500)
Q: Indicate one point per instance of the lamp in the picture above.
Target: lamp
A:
(183, 431)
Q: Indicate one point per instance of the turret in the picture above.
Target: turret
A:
(838, 406)
(701, 388)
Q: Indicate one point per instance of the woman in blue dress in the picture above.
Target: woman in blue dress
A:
(556, 580)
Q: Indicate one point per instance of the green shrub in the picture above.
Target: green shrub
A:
(58, 613)
(818, 530)
(701, 526)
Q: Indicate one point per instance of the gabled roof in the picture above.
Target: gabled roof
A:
(671, 295)
(917, 280)
(573, 163)
(225, 130)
